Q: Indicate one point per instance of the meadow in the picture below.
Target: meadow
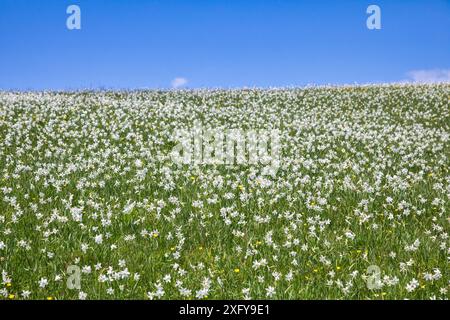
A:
(93, 207)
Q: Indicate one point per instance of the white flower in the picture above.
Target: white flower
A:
(412, 285)
(86, 269)
(98, 239)
(350, 235)
(167, 278)
(138, 163)
(82, 295)
(270, 291)
(129, 207)
(76, 213)
(43, 282)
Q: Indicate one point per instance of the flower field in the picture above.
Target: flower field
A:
(93, 207)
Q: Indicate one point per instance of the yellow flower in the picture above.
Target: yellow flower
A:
(338, 268)
(200, 248)
(9, 284)
(258, 243)
(237, 270)
(155, 235)
(11, 296)
(49, 298)
(316, 270)
(241, 187)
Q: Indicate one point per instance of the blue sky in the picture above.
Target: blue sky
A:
(212, 43)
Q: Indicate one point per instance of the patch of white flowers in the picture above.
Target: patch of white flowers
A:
(86, 179)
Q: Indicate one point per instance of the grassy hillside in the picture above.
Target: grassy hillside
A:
(358, 207)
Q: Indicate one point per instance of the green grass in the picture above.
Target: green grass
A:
(313, 230)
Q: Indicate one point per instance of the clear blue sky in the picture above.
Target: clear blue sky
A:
(212, 43)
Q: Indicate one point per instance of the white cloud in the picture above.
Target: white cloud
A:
(429, 76)
(178, 82)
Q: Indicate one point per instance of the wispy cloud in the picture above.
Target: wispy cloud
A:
(429, 76)
(178, 82)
